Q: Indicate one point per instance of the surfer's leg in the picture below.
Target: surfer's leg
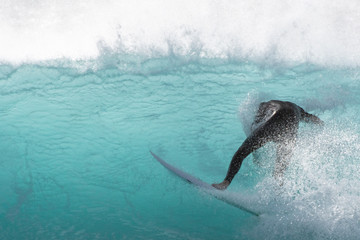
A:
(256, 158)
(284, 152)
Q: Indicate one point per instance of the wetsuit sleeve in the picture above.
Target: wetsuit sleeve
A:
(309, 118)
(251, 144)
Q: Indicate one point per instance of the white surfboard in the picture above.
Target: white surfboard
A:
(221, 195)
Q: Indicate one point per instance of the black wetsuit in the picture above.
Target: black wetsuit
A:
(278, 122)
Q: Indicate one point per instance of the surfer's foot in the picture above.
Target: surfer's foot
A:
(221, 186)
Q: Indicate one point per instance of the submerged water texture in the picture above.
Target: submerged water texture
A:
(76, 164)
(87, 88)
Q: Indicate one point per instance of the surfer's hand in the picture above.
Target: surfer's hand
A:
(221, 186)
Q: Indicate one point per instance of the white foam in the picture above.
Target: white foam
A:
(319, 32)
(320, 196)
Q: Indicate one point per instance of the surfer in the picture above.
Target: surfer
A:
(275, 121)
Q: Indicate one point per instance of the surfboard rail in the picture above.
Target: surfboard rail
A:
(219, 194)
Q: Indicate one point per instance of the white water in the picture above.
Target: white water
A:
(320, 32)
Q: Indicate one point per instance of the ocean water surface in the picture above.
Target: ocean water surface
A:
(88, 88)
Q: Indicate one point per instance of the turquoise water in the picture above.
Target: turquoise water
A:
(76, 163)
(79, 116)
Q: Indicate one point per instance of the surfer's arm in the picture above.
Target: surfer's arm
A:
(310, 118)
(251, 144)
(234, 167)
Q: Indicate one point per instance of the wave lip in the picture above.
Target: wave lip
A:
(316, 32)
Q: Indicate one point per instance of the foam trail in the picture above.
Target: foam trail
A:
(320, 196)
